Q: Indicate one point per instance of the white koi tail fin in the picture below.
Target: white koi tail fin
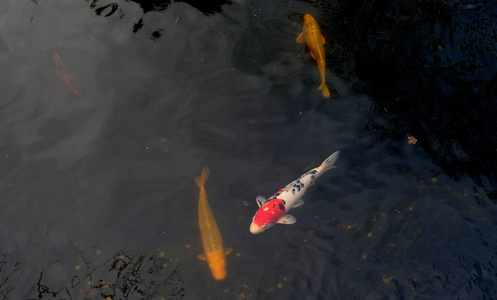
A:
(324, 88)
(200, 181)
(329, 163)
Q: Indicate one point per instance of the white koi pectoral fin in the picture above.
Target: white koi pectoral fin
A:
(202, 257)
(322, 39)
(260, 200)
(227, 251)
(287, 219)
(301, 38)
(299, 202)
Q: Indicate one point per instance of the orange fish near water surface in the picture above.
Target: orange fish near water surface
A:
(214, 252)
(66, 76)
(312, 36)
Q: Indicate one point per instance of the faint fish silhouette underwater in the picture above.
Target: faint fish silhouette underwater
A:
(66, 76)
(214, 251)
(311, 35)
(274, 210)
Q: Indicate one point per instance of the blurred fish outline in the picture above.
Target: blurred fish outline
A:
(66, 76)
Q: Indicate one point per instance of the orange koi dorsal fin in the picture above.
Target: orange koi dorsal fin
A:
(301, 38)
(322, 39)
(200, 181)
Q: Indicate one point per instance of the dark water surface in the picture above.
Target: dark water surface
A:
(98, 154)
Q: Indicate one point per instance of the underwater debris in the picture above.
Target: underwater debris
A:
(412, 140)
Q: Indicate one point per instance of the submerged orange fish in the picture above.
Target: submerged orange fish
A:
(66, 76)
(312, 36)
(214, 252)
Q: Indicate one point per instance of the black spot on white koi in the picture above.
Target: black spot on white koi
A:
(275, 196)
(282, 207)
(298, 185)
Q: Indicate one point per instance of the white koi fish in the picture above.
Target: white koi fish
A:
(274, 210)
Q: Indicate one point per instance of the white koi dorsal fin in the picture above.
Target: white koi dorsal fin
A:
(298, 203)
(323, 40)
(227, 251)
(287, 219)
(260, 200)
(301, 38)
(202, 257)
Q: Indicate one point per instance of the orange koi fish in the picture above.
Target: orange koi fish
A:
(214, 252)
(66, 76)
(312, 36)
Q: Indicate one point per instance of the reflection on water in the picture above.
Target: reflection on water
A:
(102, 8)
(233, 90)
(126, 275)
(10, 270)
(207, 7)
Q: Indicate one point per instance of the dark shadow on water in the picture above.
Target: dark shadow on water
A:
(119, 9)
(103, 8)
(207, 7)
(430, 68)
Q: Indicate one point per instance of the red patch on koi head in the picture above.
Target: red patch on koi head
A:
(270, 212)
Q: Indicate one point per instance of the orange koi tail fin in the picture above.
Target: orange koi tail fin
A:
(324, 88)
(200, 181)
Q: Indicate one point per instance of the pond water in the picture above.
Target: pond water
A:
(110, 109)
